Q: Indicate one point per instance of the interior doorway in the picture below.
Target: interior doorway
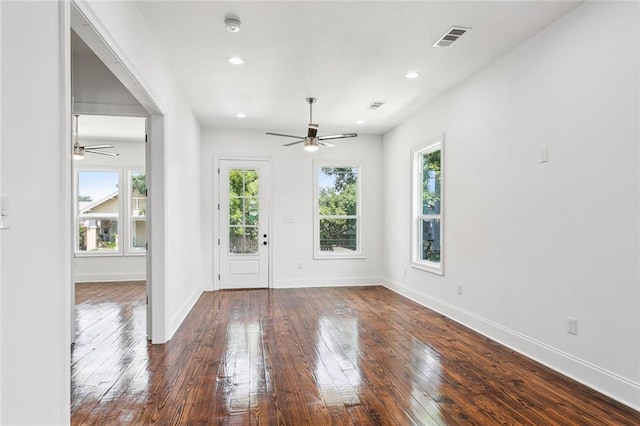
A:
(117, 92)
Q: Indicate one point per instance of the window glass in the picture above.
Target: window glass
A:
(138, 211)
(98, 211)
(243, 211)
(337, 206)
(427, 221)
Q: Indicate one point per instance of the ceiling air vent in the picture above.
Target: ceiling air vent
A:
(453, 34)
(375, 105)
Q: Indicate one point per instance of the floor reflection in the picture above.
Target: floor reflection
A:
(337, 373)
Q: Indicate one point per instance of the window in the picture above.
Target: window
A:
(427, 223)
(138, 210)
(337, 207)
(98, 211)
(110, 221)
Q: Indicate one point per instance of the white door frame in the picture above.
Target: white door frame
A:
(216, 215)
(88, 27)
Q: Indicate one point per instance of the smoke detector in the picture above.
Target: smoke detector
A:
(232, 24)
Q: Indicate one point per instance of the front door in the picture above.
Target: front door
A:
(244, 223)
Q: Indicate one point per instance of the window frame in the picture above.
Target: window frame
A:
(125, 218)
(130, 250)
(318, 254)
(433, 145)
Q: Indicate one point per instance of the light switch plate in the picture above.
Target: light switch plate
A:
(5, 210)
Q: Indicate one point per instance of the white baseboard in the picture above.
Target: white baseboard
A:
(617, 387)
(93, 277)
(325, 282)
(176, 320)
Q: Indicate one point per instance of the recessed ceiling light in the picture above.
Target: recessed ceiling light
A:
(236, 60)
(359, 121)
(240, 115)
(412, 74)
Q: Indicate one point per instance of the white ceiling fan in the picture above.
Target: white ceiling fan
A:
(312, 142)
(80, 150)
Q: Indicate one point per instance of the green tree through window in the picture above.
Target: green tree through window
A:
(338, 209)
(243, 211)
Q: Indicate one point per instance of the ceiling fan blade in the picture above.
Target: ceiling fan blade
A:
(313, 130)
(110, 154)
(327, 144)
(98, 146)
(293, 143)
(286, 136)
(340, 136)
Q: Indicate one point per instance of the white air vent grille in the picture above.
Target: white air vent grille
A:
(375, 104)
(452, 34)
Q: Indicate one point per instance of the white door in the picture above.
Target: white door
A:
(244, 223)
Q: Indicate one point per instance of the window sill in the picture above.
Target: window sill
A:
(434, 268)
(338, 256)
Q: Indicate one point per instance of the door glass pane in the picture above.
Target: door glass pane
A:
(430, 239)
(98, 211)
(243, 211)
(243, 240)
(431, 182)
(338, 235)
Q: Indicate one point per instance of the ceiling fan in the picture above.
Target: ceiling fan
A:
(312, 142)
(79, 150)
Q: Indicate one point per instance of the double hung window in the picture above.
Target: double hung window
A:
(427, 223)
(337, 207)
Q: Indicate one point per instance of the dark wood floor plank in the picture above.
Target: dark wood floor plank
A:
(319, 356)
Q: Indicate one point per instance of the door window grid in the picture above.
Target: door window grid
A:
(243, 211)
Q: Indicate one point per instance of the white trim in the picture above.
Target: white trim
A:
(66, 196)
(109, 109)
(606, 382)
(176, 320)
(434, 144)
(327, 282)
(317, 253)
(92, 277)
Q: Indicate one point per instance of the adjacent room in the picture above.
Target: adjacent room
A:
(320, 212)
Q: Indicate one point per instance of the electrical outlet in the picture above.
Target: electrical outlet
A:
(459, 289)
(572, 325)
(300, 265)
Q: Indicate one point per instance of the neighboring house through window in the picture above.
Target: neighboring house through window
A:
(102, 226)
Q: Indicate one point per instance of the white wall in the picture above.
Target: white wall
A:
(128, 32)
(99, 268)
(531, 243)
(293, 197)
(35, 265)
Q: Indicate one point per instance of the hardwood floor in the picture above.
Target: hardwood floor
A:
(327, 356)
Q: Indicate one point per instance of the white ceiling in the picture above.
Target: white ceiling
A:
(346, 54)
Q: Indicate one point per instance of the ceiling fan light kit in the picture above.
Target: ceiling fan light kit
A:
(79, 150)
(312, 141)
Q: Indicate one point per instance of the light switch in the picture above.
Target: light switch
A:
(5, 210)
(543, 155)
